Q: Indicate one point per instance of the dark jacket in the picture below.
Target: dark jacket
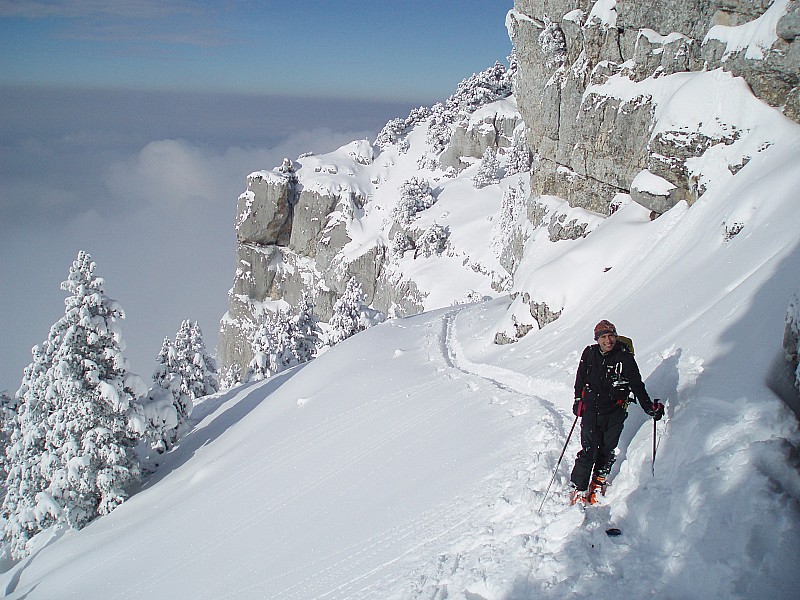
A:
(603, 381)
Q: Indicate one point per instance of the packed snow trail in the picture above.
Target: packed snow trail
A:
(320, 490)
(507, 530)
(683, 533)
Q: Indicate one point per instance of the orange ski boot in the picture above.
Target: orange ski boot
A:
(596, 489)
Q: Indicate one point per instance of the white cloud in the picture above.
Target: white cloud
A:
(178, 174)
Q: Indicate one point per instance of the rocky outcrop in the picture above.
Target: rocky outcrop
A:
(593, 145)
(771, 72)
(495, 127)
(264, 210)
(541, 313)
(312, 225)
(288, 239)
(599, 87)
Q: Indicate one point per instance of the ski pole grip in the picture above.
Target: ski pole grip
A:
(577, 407)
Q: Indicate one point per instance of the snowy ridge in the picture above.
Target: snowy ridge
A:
(409, 462)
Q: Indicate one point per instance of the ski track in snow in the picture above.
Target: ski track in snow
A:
(452, 520)
(507, 492)
(506, 529)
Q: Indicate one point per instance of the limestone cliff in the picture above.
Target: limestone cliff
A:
(612, 101)
(594, 145)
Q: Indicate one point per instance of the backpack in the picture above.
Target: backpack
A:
(628, 342)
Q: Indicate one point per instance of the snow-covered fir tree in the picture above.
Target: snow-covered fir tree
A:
(271, 346)
(231, 376)
(198, 368)
(433, 241)
(395, 130)
(480, 89)
(73, 455)
(518, 158)
(168, 406)
(400, 244)
(507, 230)
(495, 83)
(415, 196)
(391, 133)
(187, 372)
(306, 331)
(346, 319)
(488, 171)
(284, 340)
(23, 516)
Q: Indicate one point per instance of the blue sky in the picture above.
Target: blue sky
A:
(408, 50)
(128, 128)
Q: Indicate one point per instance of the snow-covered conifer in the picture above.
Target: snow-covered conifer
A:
(305, 331)
(477, 90)
(199, 369)
(417, 115)
(415, 196)
(158, 412)
(262, 366)
(400, 244)
(272, 346)
(283, 340)
(73, 454)
(168, 406)
(231, 376)
(346, 319)
(8, 427)
(167, 360)
(518, 159)
(480, 89)
(391, 133)
(439, 126)
(488, 172)
(433, 241)
(508, 228)
(395, 130)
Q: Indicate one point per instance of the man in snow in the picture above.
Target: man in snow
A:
(607, 374)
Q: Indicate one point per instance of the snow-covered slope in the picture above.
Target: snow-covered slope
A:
(410, 461)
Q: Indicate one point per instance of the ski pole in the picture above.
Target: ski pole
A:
(653, 465)
(558, 463)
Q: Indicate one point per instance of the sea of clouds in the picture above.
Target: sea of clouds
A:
(143, 181)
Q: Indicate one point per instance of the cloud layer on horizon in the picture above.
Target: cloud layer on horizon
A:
(156, 213)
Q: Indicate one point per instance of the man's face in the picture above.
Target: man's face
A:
(607, 341)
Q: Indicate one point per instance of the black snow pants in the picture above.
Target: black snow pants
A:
(599, 437)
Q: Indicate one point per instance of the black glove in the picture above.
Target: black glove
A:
(577, 407)
(656, 410)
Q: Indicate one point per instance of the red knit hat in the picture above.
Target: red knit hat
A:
(604, 327)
